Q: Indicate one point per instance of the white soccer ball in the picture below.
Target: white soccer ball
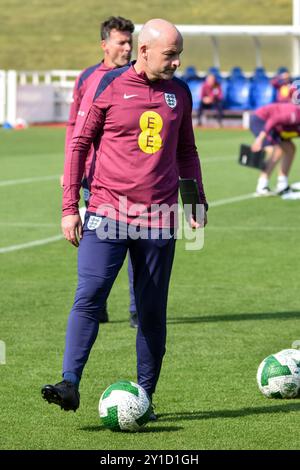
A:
(124, 406)
(278, 375)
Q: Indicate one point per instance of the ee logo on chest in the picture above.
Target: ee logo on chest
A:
(151, 124)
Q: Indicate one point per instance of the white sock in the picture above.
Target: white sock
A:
(262, 183)
(282, 183)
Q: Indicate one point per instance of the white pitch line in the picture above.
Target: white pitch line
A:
(230, 200)
(45, 241)
(28, 180)
(22, 246)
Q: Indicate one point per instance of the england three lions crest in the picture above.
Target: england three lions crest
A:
(171, 100)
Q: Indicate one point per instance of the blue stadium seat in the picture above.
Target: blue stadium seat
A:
(238, 94)
(214, 71)
(195, 85)
(224, 82)
(236, 72)
(259, 72)
(189, 73)
(262, 92)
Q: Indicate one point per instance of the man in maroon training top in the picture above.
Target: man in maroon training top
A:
(274, 125)
(116, 43)
(211, 98)
(139, 120)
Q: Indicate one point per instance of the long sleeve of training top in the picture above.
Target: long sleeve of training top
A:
(143, 136)
(84, 80)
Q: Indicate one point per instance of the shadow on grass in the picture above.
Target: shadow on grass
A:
(236, 317)
(152, 428)
(229, 317)
(202, 415)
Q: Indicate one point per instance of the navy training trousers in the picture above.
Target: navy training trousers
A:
(99, 261)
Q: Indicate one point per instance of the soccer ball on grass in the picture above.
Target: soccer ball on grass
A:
(278, 375)
(124, 406)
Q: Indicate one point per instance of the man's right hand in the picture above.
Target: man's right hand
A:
(207, 100)
(258, 143)
(72, 228)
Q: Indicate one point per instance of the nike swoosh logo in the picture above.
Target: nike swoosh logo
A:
(126, 97)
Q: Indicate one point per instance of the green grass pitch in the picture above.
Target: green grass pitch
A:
(230, 305)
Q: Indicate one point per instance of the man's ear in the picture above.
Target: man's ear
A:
(144, 51)
(103, 45)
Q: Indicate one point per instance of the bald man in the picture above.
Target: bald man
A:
(139, 118)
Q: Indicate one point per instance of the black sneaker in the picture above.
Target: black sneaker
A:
(262, 192)
(286, 190)
(65, 394)
(152, 416)
(133, 320)
(103, 315)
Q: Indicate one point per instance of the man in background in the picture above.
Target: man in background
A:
(116, 43)
(275, 125)
(211, 98)
(283, 85)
